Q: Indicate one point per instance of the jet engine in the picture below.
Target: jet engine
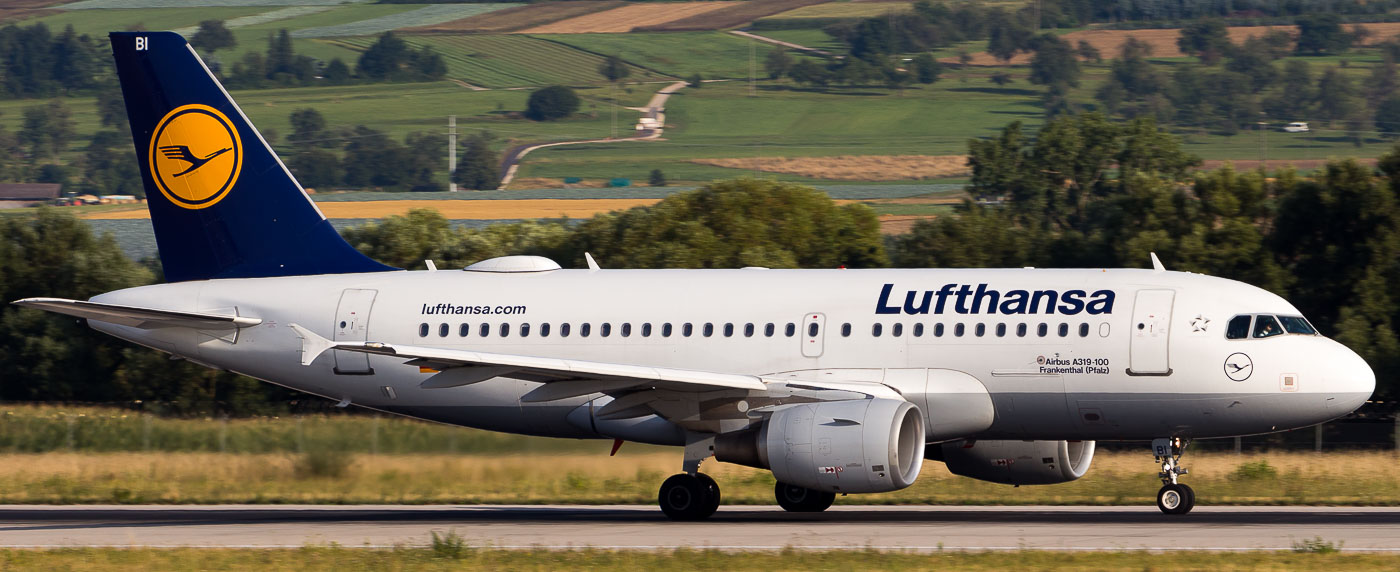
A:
(855, 446)
(1016, 462)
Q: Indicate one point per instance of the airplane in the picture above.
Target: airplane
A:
(837, 381)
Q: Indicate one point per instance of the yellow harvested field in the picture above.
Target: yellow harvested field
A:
(623, 19)
(1163, 41)
(493, 209)
(853, 167)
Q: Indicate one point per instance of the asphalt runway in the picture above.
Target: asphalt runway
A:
(917, 528)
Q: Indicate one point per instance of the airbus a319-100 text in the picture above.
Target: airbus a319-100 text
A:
(837, 381)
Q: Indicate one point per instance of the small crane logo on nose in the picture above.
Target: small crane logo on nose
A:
(1238, 366)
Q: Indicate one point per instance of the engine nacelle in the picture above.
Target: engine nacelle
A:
(1016, 462)
(855, 446)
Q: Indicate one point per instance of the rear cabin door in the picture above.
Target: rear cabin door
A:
(813, 330)
(352, 325)
(1151, 332)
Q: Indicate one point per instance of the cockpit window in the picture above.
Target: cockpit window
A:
(1266, 326)
(1238, 328)
(1297, 325)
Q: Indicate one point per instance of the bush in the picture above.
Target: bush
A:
(550, 103)
(321, 462)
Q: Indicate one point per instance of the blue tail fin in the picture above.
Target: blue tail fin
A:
(222, 204)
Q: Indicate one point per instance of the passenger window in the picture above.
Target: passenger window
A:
(585, 329)
(505, 330)
(1020, 330)
(846, 330)
(769, 329)
(423, 330)
(1042, 330)
(626, 329)
(524, 330)
(443, 330)
(564, 330)
(981, 330)
(748, 330)
(646, 330)
(728, 330)
(897, 330)
(605, 329)
(938, 330)
(709, 330)
(687, 329)
(484, 330)
(1001, 330)
(876, 329)
(959, 329)
(918, 330)
(1266, 326)
(544, 330)
(464, 330)
(1297, 325)
(1064, 330)
(666, 330)
(790, 330)
(812, 330)
(1083, 330)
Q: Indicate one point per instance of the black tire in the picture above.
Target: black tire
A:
(1190, 498)
(712, 496)
(683, 497)
(1175, 499)
(800, 499)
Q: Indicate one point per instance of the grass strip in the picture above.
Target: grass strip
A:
(447, 554)
(325, 476)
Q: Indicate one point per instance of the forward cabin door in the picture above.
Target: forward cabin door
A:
(1151, 332)
(813, 330)
(352, 325)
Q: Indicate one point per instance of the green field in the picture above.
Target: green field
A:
(98, 22)
(396, 108)
(513, 60)
(847, 10)
(720, 120)
(714, 55)
(444, 556)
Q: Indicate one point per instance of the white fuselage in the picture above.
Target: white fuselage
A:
(1149, 363)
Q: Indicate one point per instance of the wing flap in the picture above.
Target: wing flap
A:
(547, 370)
(136, 317)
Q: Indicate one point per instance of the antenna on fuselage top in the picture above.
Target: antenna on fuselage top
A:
(1157, 263)
(592, 264)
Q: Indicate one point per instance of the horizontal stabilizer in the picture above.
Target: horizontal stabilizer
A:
(144, 318)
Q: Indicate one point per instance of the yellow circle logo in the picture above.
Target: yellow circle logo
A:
(195, 156)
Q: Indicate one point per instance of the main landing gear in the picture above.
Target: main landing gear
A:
(1173, 497)
(798, 499)
(689, 497)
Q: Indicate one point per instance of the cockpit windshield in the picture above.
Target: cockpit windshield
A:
(1297, 325)
(1266, 326)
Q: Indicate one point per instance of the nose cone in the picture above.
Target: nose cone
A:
(1352, 381)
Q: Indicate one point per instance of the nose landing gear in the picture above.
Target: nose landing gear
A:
(1173, 497)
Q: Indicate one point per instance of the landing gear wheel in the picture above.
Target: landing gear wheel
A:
(711, 494)
(688, 497)
(1176, 499)
(800, 499)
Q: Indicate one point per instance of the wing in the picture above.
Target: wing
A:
(695, 399)
(144, 318)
